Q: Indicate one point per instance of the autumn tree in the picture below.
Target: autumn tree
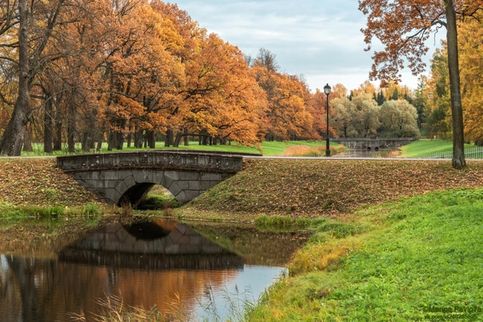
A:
(266, 59)
(398, 119)
(317, 108)
(288, 112)
(357, 118)
(471, 58)
(292, 112)
(36, 23)
(403, 27)
(343, 114)
(366, 119)
(438, 97)
(436, 86)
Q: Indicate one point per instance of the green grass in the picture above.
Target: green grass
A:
(10, 212)
(436, 148)
(268, 148)
(417, 259)
(158, 202)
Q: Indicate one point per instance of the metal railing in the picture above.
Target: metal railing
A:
(474, 152)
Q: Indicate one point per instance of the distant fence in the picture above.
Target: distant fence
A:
(474, 152)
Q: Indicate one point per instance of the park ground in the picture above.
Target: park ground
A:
(391, 239)
(424, 148)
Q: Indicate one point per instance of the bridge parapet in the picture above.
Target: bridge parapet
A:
(152, 160)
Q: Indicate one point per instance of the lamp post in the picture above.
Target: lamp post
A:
(327, 91)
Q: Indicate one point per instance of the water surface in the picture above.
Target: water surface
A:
(192, 273)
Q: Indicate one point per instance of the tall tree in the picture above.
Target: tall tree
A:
(471, 66)
(36, 21)
(403, 26)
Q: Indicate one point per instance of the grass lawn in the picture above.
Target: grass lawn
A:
(416, 259)
(268, 148)
(437, 148)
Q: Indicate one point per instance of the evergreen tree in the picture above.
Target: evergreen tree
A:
(380, 98)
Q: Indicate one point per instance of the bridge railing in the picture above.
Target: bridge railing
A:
(166, 160)
(373, 139)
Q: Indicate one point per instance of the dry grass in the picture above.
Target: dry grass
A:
(307, 151)
(113, 309)
(320, 256)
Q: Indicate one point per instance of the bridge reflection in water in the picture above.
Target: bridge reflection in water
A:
(163, 264)
(150, 245)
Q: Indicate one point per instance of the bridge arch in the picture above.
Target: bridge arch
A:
(135, 194)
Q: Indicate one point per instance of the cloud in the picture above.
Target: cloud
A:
(320, 39)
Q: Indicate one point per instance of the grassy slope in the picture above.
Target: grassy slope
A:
(428, 148)
(37, 182)
(418, 259)
(319, 187)
(267, 148)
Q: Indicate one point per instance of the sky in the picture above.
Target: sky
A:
(319, 39)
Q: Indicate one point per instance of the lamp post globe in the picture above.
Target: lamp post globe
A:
(327, 91)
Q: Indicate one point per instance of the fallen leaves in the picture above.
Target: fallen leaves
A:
(39, 182)
(333, 187)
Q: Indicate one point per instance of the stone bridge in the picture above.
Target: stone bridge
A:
(127, 177)
(373, 144)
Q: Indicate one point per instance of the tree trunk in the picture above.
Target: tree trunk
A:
(85, 142)
(454, 76)
(99, 145)
(138, 139)
(177, 140)
(58, 128)
(119, 140)
(168, 141)
(111, 141)
(151, 138)
(27, 142)
(48, 124)
(71, 127)
(129, 139)
(13, 136)
(186, 137)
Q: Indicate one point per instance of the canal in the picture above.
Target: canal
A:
(195, 272)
